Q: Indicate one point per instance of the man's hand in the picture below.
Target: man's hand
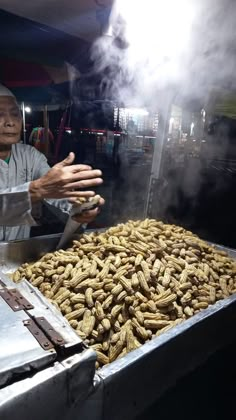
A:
(64, 180)
(90, 215)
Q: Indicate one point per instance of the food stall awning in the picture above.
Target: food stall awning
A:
(82, 19)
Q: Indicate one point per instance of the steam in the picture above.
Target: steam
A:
(153, 45)
(158, 51)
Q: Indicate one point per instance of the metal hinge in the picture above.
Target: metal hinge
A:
(39, 327)
(45, 334)
(53, 335)
(38, 334)
(15, 300)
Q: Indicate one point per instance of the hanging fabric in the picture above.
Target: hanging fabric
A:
(60, 134)
(38, 139)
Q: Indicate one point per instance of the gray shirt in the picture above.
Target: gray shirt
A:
(26, 164)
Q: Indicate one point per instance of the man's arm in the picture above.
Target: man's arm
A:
(16, 202)
(63, 180)
(59, 183)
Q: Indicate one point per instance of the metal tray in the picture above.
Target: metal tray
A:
(15, 253)
(129, 385)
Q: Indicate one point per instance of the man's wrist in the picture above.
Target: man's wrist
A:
(35, 191)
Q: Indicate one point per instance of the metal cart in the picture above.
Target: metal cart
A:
(61, 382)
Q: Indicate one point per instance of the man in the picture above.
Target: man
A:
(26, 178)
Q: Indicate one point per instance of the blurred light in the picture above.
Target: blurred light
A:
(158, 31)
(136, 112)
(171, 124)
(68, 131)
(28, 109)
(203, 114)
(192, 129)
(107, 31)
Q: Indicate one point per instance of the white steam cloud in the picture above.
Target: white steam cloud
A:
(157, 44)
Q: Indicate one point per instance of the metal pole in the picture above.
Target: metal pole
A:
(46, 128)
(23, 117)
(157, 159)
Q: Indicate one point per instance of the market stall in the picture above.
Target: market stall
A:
(140, 306)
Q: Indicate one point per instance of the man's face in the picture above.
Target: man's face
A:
(10, 121)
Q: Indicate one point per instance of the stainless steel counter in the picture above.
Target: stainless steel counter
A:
(58, 392)
(38, 383)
